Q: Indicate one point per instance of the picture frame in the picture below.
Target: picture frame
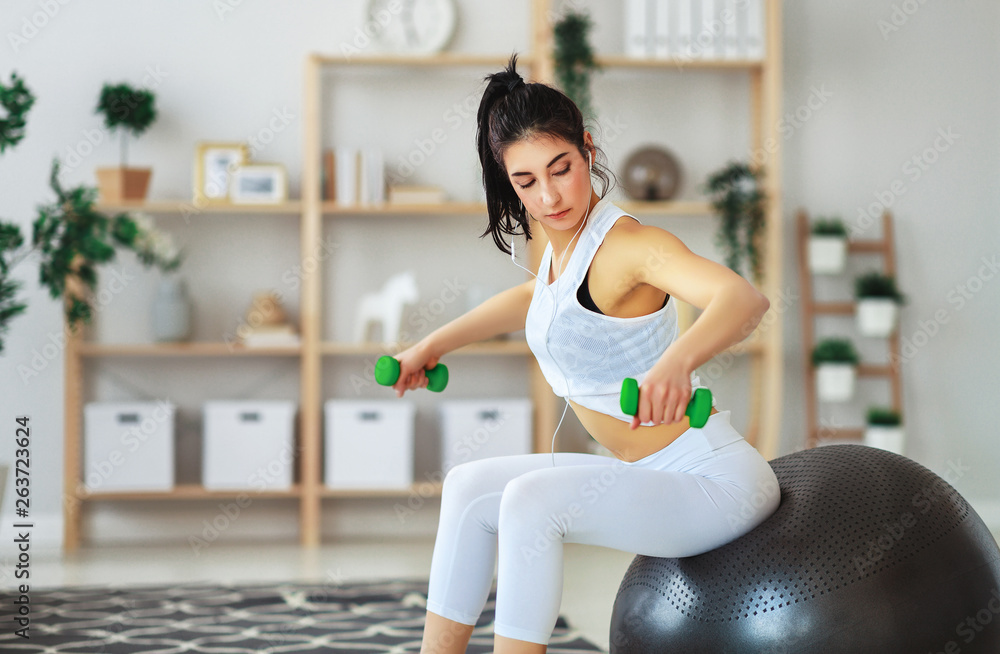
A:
(259, 183)
(215, 164)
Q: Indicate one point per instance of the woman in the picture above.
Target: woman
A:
(598, 311)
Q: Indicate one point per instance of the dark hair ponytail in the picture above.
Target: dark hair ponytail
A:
(509, 112)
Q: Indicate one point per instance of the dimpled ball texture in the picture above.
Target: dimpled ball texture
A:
(867, 552)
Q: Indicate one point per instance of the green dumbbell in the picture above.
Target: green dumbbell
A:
(387, 373)
(698, 409)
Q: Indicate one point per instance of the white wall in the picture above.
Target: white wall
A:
(876, 102)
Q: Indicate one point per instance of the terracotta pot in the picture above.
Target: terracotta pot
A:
(121, 184)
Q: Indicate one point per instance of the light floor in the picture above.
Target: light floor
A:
(591, 574)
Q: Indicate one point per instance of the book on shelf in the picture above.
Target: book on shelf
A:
(694, 29)
(357, 176)
(329, 176)
(417, 195)
(270, 336)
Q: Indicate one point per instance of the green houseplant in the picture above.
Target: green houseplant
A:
(74, 239)
(827, 246)
(835, 360)
(736, 195)
(129, 111)
(16, 101)
(574, 59)
(884, 429)
(878, 303)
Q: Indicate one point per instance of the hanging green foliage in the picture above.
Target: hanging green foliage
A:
(16, 101)
(73, 239)
(574, 59)
(736, 195)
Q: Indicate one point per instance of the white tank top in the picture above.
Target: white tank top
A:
(585, 355)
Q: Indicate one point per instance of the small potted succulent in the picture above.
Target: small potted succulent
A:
(131, 111)
(836, 363)
(878, 304)
(884, 429)
(827, 246)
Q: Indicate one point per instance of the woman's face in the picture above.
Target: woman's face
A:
(552, 179)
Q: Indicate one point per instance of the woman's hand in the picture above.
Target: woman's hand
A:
(665, 392)
(412, 363)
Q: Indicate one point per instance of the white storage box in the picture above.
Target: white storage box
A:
(128, 446)
(478, 429)
(248, 445)
(369, 444)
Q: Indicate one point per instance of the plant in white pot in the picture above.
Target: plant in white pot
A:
(827, 246)
(132, 111)
(878, 304)
(884, 429)
(836, 363)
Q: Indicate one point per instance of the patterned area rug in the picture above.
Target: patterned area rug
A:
(382, 617)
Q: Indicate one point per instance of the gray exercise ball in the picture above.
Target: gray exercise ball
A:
(867, 552)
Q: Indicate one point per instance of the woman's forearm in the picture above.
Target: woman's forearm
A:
(729, 318)
(503, 313)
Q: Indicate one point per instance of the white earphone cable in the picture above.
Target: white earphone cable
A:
(555, 296)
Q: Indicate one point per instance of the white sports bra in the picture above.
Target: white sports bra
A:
(585, 355)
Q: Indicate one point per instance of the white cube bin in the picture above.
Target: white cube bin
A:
(479, 429)
(248, 445)
(369, 444)
(128, 447)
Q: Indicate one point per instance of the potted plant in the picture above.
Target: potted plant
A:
(574, 59)
(827, 246)
(878, 303)
(131, 111)
(884, 429)
(836, 361)
(737, 196)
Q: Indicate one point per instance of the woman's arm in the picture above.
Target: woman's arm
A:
(503, 313)
(731, 306)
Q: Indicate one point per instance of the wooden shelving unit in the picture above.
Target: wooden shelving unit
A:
(765, 349)
(812, 311)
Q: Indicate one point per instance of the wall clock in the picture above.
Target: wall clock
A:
(413, 26)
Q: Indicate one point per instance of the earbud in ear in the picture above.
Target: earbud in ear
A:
(590, 160)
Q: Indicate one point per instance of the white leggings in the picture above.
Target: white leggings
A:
(703, 490)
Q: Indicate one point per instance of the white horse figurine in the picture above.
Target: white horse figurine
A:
(385, 307)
